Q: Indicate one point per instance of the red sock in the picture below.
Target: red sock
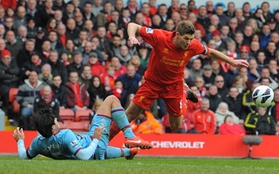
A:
(114, 130)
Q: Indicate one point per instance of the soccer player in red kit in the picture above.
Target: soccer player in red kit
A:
(164, 75)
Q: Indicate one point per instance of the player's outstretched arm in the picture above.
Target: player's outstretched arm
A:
(86, 153)
(19, 138)
(218, 55)
(132, 30)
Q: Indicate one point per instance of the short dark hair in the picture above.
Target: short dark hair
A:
(185, 27)
(43, 121)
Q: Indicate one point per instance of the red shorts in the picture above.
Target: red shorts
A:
(171, 94)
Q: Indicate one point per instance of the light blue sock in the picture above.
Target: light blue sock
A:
(113, 152)
(119, 117)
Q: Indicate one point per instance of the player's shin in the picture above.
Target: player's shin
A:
(114, 152)
(120, 118)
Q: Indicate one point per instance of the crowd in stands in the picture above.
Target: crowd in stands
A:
(73, 55)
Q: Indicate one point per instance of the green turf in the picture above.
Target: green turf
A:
(139, 166)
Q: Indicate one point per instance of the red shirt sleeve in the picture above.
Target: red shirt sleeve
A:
(150, 35)
(200, 48)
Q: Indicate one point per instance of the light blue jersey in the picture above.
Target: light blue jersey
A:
(65, 144)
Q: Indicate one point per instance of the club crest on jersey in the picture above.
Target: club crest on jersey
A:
(149, 30)
(165, 50)
(74, 143)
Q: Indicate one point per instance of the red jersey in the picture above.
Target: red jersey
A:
(167, 62)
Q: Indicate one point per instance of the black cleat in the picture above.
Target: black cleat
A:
(192, 96)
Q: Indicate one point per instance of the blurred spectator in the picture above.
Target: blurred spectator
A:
(96, 68)
(71, 29)
(169, 26)
(208, 76)
(46, 48)
(196, 69)
(175, 18)
(261, 60)
(119, 69)
(265, 35)
(76, 65)
(47, 99)
(199, 83)
(42, 16)
(145, 9)
(210, 8)
(20, 18)
(272, 66)
(111, 29)
(68, 12)
(192, 7)
(25, 53)
(162, 11)
(234, 101)
(230, 75)
(146, 124)
(115, 44)
(9, 77)
(219, 81)
(105, 15)
(22, 34)
(108, 78)
(9, 22)
(59, 90)
(31, 9)
(266, 74)
(225, 33)
(230, 10)
(204, 119)
(216, 36)
(81, 40)
(135, 60)
(253, 23)
(157, 22)
(34, 64)
(130, 78)
(222, 112)
(57, 67)
(96, 90)
(124, 55)
(173, 8)
(55, 42)
(46, 76)
(77, 95)
(213, 97)
(260, 123)
(244, 53)
(144, 55)
(229, 127)
(202, 17)
(12, 44)
(193, 18)
(255, 48)
(239, 83)
(119, 91)
(79, 20)
(266, 13)
(273, 109)
(270, 51)
(86, 76)
(26, 97)
(216, 68)
(220, 13)
(102, 36)
(51, 25)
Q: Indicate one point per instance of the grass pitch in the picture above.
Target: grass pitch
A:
(139, 165)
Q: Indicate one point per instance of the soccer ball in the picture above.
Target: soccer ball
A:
(263, 96)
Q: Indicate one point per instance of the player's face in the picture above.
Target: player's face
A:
(184, 41)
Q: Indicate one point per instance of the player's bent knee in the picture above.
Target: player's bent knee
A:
(112, 98)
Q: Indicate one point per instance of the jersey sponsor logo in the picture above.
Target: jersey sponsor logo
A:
(149, 30)
(141, 98)
(172, 62)
(74, 143)
(165, 50)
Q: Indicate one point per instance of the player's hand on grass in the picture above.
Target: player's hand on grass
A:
(18, 134)
(98, 133)
(134, 41)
